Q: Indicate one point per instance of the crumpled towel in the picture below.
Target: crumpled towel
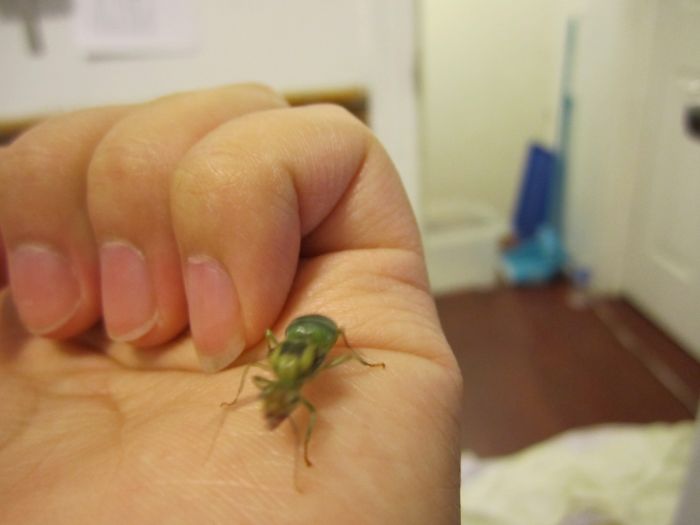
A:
(604, 475)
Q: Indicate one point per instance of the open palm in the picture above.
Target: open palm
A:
(98, 431)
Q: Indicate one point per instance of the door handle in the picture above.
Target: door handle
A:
(692, 121)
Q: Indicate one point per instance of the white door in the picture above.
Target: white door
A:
(663, 260)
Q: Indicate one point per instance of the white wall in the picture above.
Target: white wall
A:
(491, 83)
(489, 86)
(305, 44)
(273, 42)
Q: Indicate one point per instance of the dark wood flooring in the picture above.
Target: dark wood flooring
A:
(534, 366)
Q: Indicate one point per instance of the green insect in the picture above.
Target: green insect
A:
(294, 361)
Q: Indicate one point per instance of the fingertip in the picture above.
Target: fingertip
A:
(211, 363)
(215, 313)
(45, 288)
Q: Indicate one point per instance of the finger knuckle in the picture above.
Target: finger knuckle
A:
(28, 163)
(125, 158)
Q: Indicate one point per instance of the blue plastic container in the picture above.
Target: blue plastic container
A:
(533, 206)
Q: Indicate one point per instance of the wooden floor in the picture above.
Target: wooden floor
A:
(534, 366)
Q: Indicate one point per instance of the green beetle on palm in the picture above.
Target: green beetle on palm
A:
(294, 361)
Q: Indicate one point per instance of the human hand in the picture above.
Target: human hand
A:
(264, 213)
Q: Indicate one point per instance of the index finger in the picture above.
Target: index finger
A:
(262, 191)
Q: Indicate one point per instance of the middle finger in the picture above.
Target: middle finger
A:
(143, 300)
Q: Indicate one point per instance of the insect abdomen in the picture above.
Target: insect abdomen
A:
(319, 329)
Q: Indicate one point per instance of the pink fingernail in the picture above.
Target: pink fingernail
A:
(215, 317)
(45, 289)
(128, 299)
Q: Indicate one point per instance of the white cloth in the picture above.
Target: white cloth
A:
(605, 475)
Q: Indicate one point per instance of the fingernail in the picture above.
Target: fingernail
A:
(45, 289)
(215, 316)
(128, 299)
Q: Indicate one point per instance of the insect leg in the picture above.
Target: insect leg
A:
(272, 342)
(262, 382)
(361, 359)
(309, 428)
(337, 361)
(354, 355)
(240, 386)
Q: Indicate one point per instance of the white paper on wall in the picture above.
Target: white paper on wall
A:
(133, 28)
